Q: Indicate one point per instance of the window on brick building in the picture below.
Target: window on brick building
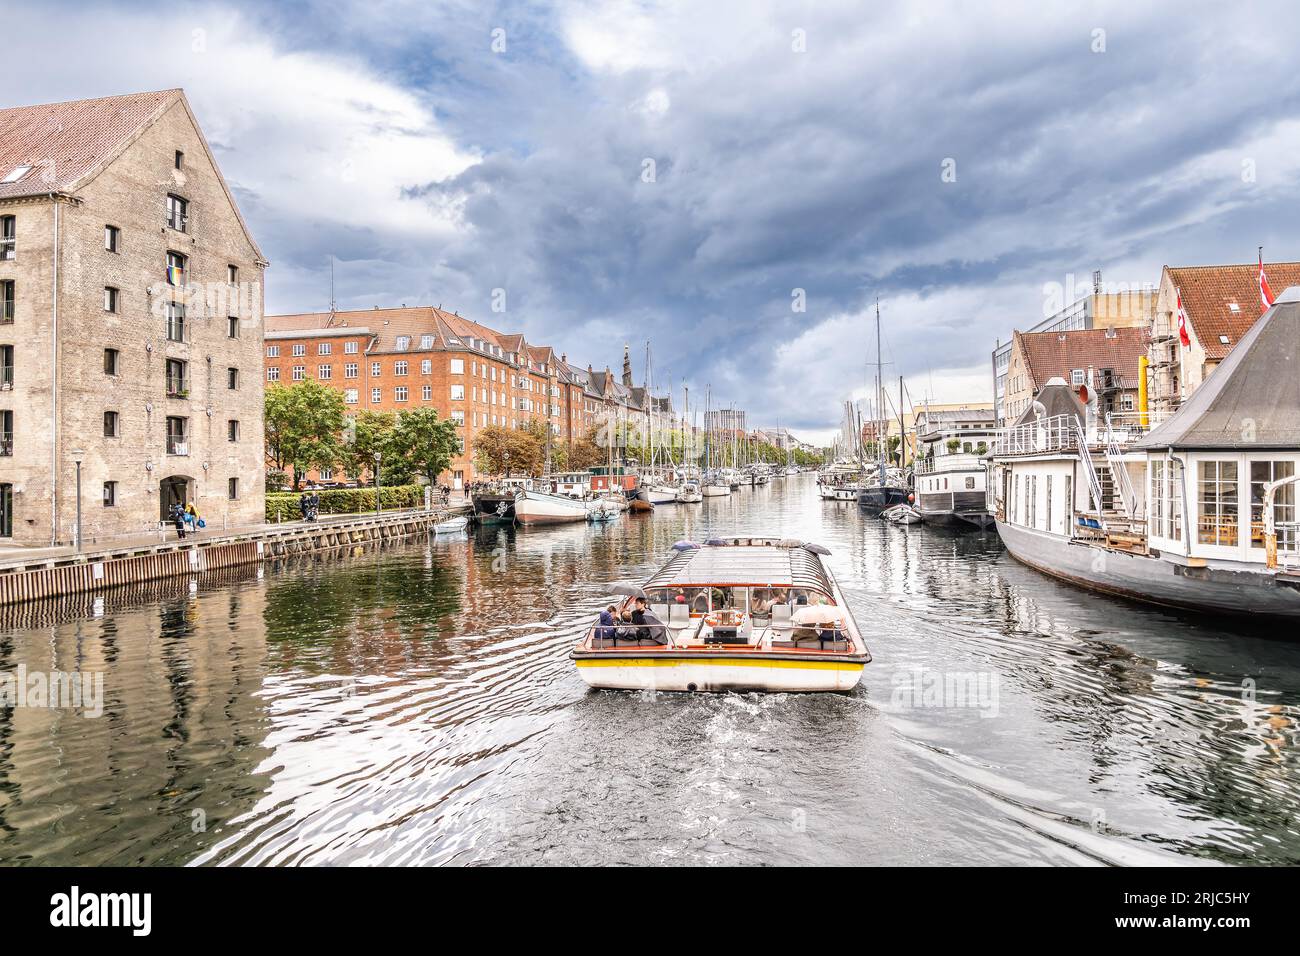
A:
(112, 238)
(403, 343)
(350, 348)
(8, 237)
(111, 357)
(110, 494)
(376, 396)
(273, 374)
(178, 209)
(273, 351)
(324, 348)
(426, 367)
(110, 299)
(299, 373)
(324, 372)
(426, 341)
(350, 396)
(458, 417)
(232, 274)
(232, 378)
(426, 393)
(457, 367)
(399, 368)
(232, 326)
(232, 430)
(399, 393)
(458, 393)
(299, 349)
(350, 370)
(110, 425)
(375, 369)
(179, 159)
(232, 489)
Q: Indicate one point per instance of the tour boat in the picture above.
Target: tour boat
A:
(689, 494)
(745, 614)
(535, 507)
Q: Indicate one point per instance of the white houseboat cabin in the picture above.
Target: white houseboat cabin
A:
(1198, 512)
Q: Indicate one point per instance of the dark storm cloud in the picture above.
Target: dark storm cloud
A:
(778, 170)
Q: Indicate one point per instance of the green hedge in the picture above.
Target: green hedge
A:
(283, 506)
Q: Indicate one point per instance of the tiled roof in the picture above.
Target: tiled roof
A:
(384, 325)
(1055, 354)
(1209, 292)
(66, 142)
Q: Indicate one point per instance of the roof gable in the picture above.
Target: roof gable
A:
(1210, 292)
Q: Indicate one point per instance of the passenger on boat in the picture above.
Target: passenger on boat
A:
(645, 626)
(605, 631)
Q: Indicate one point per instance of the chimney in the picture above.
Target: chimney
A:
(1110, 332)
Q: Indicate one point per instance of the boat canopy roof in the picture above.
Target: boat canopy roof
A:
(759, 565)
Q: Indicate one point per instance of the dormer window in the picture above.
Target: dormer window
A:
(1233, 307)
(403, 343)
(426, 341)
(17, 173)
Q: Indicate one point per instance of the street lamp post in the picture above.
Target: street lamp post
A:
(378, 457)
(77, 455)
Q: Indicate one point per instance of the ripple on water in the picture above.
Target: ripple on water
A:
(415, 704)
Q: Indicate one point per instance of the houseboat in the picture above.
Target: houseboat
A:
(951, 474)
(745, 614)
(1198, 512)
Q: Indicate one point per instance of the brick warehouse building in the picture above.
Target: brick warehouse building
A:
(130, 323)
(395, 360)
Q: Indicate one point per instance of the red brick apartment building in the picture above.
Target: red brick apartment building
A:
(399, 359)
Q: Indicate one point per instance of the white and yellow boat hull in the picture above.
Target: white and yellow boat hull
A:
(684, 670)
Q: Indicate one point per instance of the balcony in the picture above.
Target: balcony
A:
(957, 461)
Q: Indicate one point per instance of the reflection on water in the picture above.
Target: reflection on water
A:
(414, 704)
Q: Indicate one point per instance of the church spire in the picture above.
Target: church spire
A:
(627, 367)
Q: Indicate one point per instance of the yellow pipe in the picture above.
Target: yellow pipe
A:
(1143, 364)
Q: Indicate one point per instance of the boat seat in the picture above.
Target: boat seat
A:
(679, 615)
(660, 611)
(781, 616)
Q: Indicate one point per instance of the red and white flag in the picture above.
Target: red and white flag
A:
(1182, 321)
(1265, 293)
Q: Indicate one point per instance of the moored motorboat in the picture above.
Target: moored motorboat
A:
(451, 525)
(746, 614)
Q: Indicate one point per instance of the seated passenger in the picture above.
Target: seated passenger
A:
(606, 629)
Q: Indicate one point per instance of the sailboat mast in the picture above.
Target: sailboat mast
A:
(880, 444)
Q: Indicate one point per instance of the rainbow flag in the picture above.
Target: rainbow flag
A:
(175, 275)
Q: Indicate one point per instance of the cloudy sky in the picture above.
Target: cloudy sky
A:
(675, 171)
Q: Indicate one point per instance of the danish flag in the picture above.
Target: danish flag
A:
(1182, 322)
(1265, 293)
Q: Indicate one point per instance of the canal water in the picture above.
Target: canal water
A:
(414, 705)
